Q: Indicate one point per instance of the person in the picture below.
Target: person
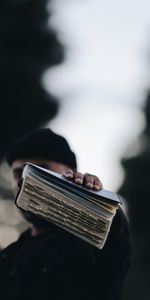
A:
(48, 262)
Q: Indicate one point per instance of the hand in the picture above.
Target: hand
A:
(87, 180)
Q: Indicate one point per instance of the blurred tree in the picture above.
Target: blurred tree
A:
(28, 46)
(136, 190)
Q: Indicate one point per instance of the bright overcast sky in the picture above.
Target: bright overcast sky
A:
(102, 82)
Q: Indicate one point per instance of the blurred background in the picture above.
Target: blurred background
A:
(83, 69)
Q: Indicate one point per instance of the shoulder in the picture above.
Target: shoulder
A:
(11, 249)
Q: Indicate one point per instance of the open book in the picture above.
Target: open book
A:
(85, 213)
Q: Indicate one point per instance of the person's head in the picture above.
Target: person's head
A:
(44, 148)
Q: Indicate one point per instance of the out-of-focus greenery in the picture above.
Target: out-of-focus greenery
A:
(27, 48)
(136, 190)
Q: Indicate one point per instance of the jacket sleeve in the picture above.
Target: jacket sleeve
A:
(120, 238)
(106, 269)
(115, 257)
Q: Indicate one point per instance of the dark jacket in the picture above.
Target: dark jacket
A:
(58, 266)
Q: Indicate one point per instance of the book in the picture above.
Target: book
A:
(86, 213)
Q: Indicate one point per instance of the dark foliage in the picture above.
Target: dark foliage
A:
(136, 184)
(136, 190)
(28, 46)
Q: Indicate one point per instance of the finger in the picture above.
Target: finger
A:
(68, 174)
(89, 180)
(97, 183)
(78, 178)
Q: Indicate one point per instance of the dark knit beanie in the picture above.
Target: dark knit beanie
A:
(42, 144)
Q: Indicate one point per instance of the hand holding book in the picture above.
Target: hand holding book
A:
(83, 212)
